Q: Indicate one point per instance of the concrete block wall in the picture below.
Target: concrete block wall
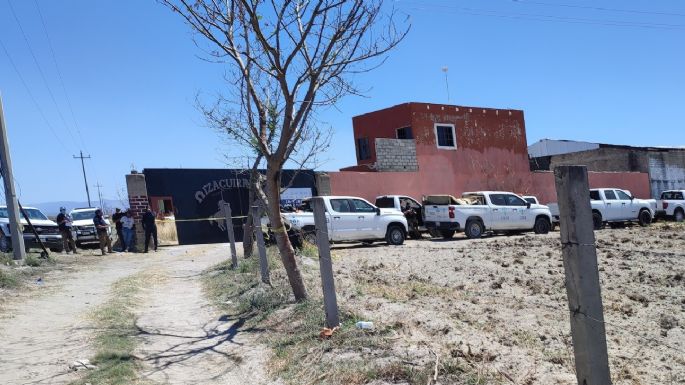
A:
(666, 171)
(396, 155)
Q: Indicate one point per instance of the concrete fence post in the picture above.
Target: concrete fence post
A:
(231, 235)
(582, 276)
(263, 260)
(330, 300)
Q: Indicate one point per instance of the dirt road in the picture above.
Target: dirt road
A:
(183, 340)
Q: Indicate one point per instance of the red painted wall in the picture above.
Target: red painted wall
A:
(489, 141)
(491, 154)
(369, 185)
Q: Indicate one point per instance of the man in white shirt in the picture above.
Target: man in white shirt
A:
(128, 228)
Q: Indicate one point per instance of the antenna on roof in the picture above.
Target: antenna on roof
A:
(447, 84)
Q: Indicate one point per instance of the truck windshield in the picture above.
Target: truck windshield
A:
(82, 215)
(32, 213)
(594, 195)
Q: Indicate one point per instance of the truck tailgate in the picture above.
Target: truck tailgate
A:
(436, 213)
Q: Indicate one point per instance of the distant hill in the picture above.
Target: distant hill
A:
(52, 208)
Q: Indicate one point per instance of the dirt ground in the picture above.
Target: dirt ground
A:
(183, 340)
(498, 305)
(492, 311)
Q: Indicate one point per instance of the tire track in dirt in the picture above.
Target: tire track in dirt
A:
(182, 339)
(43, 335)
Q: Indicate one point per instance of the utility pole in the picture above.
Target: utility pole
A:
(100, 194)
(83, 166)
(10, 194)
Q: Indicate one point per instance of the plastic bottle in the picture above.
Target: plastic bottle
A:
(364, 325)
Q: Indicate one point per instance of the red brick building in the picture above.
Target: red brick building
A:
(420, 148)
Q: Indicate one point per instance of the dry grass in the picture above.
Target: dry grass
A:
(15, 275)
(166, 233)
(292, 330)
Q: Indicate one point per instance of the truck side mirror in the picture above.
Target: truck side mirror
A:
(528, 204)
(378, 211)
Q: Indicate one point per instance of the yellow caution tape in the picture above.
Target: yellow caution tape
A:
(197, 219)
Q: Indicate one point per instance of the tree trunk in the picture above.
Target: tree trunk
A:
(273, 192)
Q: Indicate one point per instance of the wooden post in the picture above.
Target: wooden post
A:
(330, 301)
(231, 235)
(582, 276)
(263, 261)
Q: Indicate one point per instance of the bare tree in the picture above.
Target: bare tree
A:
(289, 57)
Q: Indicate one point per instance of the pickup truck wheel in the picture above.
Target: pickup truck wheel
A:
(597, 222)
(644, 218)
(447, 234)
(474, 229)
(395, 235)
(679, 215)
(542, 226)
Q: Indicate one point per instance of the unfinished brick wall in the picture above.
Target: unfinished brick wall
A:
(396, 155)
(138, 202)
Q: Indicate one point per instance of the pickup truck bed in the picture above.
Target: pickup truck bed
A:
(477, 212)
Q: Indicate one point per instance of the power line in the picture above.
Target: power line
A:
(35, 102)
(61, 79)
(603, 9)
(541, 17)
(40, 70)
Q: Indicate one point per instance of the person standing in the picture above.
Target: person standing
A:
(64, 224)
(118, 214)
(127, 227)
(150, 228)
(101, 227)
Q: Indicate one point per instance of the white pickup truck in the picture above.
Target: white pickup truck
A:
(478, 212)
(411, 209)
(615, 206)
(352, 219)
(672, 205)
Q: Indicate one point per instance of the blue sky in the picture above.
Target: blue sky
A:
(131, 72)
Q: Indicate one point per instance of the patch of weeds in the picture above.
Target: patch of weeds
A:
(301, 356)
(525, 339)
(8, 279)
(309, 250)
(397, 291)
(240, 290)
(6, 259)
(115, 340)
(32, 260)
(557, 356)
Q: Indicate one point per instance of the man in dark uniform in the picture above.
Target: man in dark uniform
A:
(64, 224)
(116, 217)
(150, 228)
(101, 227)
